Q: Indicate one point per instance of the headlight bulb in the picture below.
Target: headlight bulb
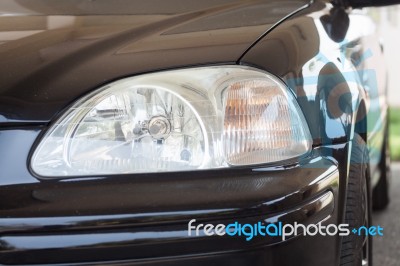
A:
(178, 120)
(159, 127)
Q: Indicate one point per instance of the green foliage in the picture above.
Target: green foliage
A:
(394, 133)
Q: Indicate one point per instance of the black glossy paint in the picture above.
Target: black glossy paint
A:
(145, 216)
(336, 71)
(62, 50)
(369, 3)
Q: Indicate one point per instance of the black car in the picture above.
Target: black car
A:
(180, 132)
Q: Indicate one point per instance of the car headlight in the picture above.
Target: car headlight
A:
(199, 118)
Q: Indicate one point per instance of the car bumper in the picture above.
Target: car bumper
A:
(143, 219)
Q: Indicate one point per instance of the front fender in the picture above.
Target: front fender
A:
(322, 62)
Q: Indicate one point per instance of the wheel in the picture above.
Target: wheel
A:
(357, 250)
(380, 194)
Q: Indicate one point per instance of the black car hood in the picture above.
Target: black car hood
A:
(52, 52)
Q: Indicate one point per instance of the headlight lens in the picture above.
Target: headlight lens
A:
(200, 118)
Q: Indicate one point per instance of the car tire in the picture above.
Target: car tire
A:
(356, 249)
(380, 194)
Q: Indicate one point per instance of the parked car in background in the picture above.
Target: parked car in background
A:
(125, 123)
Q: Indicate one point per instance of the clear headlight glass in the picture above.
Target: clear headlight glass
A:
(199, 118)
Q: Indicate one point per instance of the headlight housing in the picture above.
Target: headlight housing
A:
(199, 118)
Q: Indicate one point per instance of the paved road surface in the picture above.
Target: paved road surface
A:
(387, 248)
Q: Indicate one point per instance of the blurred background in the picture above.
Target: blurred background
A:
(388, 27)
(387, 248)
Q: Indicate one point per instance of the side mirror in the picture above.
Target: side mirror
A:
(368, 3)
(336, 24)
